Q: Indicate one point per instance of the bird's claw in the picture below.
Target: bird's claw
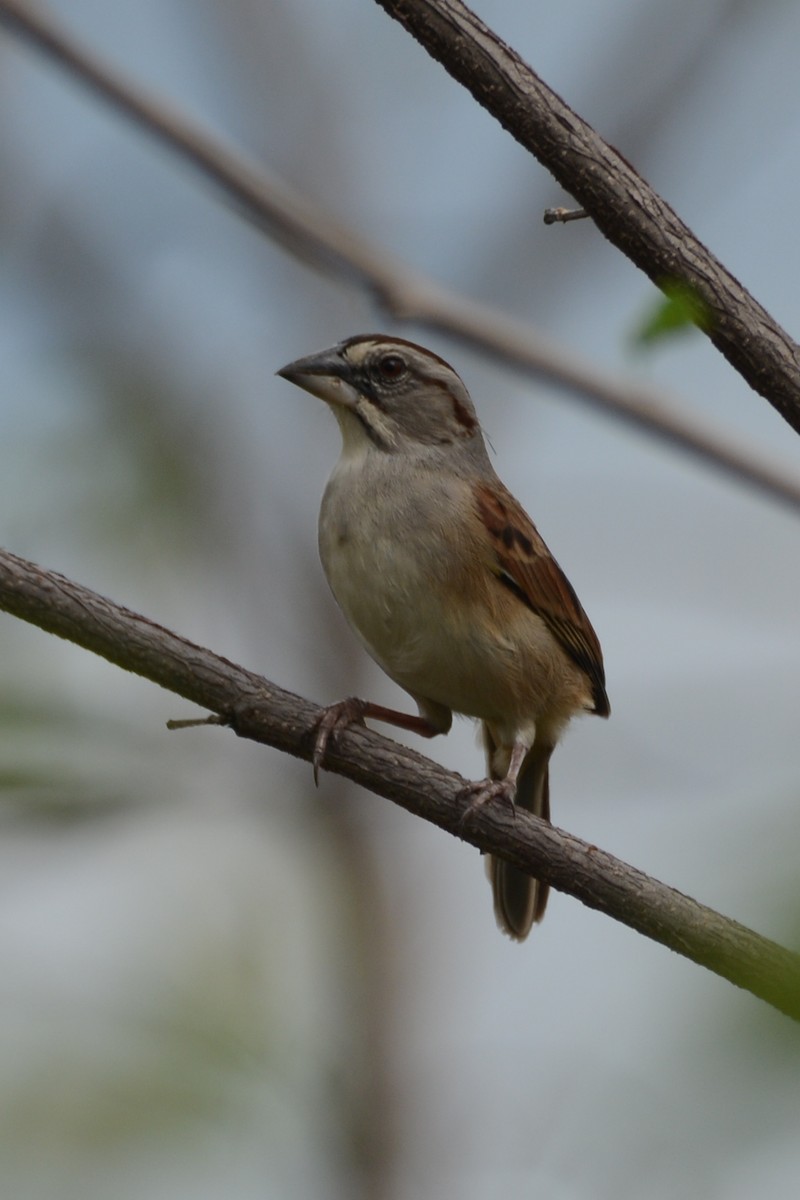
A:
(484, 791)
(333, 719)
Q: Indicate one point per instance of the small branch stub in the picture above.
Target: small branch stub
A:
(193, 722)
(560, 216)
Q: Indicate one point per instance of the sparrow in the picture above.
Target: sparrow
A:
(446, 581)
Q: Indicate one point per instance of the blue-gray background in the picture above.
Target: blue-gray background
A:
(213, 979)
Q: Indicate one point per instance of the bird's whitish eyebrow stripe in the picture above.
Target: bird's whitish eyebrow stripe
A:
(382, 340)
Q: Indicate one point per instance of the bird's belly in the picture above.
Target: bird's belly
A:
(378, 589)
(444, 637)
(427, 637)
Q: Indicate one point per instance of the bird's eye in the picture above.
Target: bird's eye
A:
(391, 367)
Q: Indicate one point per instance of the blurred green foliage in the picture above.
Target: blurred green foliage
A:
(678, 311)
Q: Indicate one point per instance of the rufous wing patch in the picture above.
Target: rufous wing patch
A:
(527, 568)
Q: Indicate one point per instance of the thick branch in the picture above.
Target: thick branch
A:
(627, 210)
(260, 710)
(312, 235)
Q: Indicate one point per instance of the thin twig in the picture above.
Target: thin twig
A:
(560, 216)
(312, 235)
(258, 709)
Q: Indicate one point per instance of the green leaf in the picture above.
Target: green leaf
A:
(678, 311)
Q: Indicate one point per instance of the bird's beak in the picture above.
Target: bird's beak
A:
(323, 375)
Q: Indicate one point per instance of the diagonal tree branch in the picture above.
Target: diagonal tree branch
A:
(258, 709)
(624, 207)
(312, 235)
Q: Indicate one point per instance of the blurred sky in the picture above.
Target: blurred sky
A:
(211, 976)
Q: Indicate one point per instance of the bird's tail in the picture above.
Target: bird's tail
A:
(520, 900)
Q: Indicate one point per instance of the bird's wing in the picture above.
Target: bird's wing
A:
(523, 563)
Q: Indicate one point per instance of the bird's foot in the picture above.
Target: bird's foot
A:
(486, 791)
(335, 718)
